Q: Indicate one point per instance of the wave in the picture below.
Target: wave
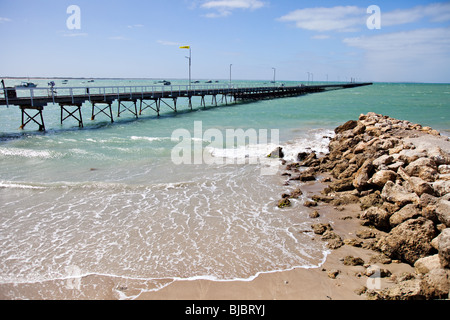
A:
(29, 153)
(314, 141)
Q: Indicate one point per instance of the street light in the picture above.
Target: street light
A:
(230, 73)
(190, 62)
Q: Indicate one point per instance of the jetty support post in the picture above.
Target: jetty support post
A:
(102, 110)
(72, 114)
(134, 112)
(40, 118)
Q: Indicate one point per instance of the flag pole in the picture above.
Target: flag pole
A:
(190, 62)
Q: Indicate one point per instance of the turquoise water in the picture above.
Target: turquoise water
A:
(109, 200)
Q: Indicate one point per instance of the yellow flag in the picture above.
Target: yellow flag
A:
(185, 47)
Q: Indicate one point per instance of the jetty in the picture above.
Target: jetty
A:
(136, 99)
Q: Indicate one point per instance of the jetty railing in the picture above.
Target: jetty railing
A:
(51, 93)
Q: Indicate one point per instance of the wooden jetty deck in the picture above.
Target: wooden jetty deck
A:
(32, 101)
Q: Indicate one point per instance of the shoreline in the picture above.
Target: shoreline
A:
(357, 266)
(364, 263)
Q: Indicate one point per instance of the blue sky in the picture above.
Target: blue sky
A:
(141, 39)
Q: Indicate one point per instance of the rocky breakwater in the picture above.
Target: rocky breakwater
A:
(399, 174)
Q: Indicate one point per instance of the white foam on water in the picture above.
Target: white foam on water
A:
(28, 153)
(220, 223)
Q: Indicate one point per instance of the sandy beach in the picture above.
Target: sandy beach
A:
(353, 267)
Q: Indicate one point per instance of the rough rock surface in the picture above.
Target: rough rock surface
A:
(399, 172)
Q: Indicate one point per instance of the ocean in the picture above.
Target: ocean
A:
(109, 200)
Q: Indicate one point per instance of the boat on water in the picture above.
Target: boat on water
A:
(25, 84)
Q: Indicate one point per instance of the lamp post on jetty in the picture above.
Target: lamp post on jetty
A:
(230, 74)
(190, 62)
(274, 74)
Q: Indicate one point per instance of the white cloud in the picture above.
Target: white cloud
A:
(168, 43)
(136, 26)
(2, 20)
(224, 8)
(409, 55)
(118, 38)
(435, 12)
(321, 37)
(340, 18)
(352, 18)
(75, 34)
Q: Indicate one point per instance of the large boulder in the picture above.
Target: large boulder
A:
(441, 187)
(409, 241)
(363, 175)
(397, 194)
(435, 285)
(377, 217)
(443, 212)
(444, 248)
(349, 125)
(381, 177)
(410, 211)
(426, 264)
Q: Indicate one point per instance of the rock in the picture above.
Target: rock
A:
(439, 156)
(397, 194)
(427, 199)
(365, 234)
(381, 177)
(314, 214)
(383, 161)
(277, 153)
(320, 228)
(352, 261)
(435, 285)
(353, 242)
(444, 248)
(349, 125)
(408, 156)
(359, 129)
(342, 185)
(441, 187)
(309, 203)
(332, 274)
(296, 193)
(405, 290)
(444, 169)
(302, 156)
(409, 241)
(310, 160)
(377, 217)
(371, 200)
(428, 174)
(410, 211)
(322, 198)
(375, 271)
(443, 212)
(335, 243)
(348, 172)
(285, 202)
(420, 186)
(426, 264)
(363, 175)
(415, 167)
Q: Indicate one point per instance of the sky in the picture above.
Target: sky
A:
(376, 40)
